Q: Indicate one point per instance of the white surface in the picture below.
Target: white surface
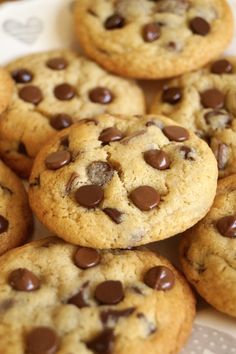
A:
(34, 25)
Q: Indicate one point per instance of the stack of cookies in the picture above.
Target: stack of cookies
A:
(107, 178)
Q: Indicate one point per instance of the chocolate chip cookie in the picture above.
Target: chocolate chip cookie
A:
(208, 250)
(122, 181)
(52, 90)
(204, 101)
(57, 298)
(153, 39)
(15, 214)
(6, 89)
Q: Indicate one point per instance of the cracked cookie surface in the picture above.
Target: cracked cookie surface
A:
(15, 215)
(57, 298)
(204, 101)
(133, 180)
(208, 250)
(153, 39)
(52, 90)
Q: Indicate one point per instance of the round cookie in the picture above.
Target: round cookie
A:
(51, 91)
(208, 250)
(15, 215)
(57, 298)
(153, 39)
(6, 89)
(122, 181)
(204, 101)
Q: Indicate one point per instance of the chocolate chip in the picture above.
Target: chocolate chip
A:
(157, 159)
(64, 92)
(103, 343)
(222, 66)
(31, 94)
(137, 290)
(87, 121)
(6, 305)
(114, 22)
(114, 315)
(86, 257)
(89, 196)
(109, 292)
(187, 153)
(42, 340)
(156, 123)
(61, 121)
(176, 133)
(22, 76)
(101, 95)
(218, 119)
(78, 300)
(57, 159)
(212, 98)
(114, 214)
(57, 63)
(145, 198)
(23, 279)
(227, 226)
(22, 149)
(222, 156)
(200, 26)
(127, 139)
(35, 183)
(100, 172)
(4, 224)
(151, 328)
(151, 32)
(64, 141)
(159, 278)
(172, 95)
(71, 182)
(109, 135)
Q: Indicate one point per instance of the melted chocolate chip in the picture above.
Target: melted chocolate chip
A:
(109, 292)
(31, 94)
(36, 182)
(128, 138)
(176, 133)
(4, 224)
(86, 257)
(109, 135)
(200, 26)
(172, 95)
(151, 328)
(57, 159)
(222, 66)
(42, 340)
(78, 300)
(101, 95)
(22, 76)
(71, 182)
(114, 22)
(61, 121)
(6, 189)
(89, 196)
(115, 315)
(65, 141)
(22, 149)
(23, 280)
(87, 121)
(227, 226)
(145, 198)
(159, 278)
(158, 159)
(222, 156)
(57, 63)
(64, 92)
(103, 343)
(114, 214)
(187, 153)
(218, 119)
(6, 305)
(212, 98)
(151, 32)
(100, 172)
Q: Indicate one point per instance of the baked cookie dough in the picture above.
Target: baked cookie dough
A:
(15, 215)
(6, 89)
(52, 90)
(204, 101)
(208, 250)
(57, 298)
(153, 39)
(122, 181)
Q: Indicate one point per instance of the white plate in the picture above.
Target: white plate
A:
(35, 25)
